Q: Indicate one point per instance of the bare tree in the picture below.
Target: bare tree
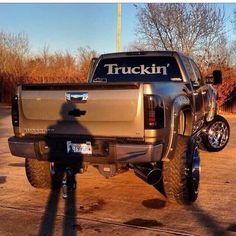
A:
(84, 59)
(13, 52)
(17, 66)
(218, 56)
(233, 45)
(188, 28)
(59, 66)
(52, 67)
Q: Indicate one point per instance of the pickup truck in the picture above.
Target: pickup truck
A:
(146, 111)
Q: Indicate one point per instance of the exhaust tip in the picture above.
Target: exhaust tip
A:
(149, 174)
(154, 176)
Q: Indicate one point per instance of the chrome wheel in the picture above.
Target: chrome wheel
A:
(196, 170)
(218, 134)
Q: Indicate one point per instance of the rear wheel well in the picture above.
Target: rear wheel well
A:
(185, 122)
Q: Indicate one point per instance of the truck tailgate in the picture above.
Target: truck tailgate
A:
(82, 109)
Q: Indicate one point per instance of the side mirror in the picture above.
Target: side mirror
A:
(217, 77)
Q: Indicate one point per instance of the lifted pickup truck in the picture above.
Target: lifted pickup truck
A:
(148, 111)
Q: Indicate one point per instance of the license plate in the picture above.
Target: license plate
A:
(82, 148)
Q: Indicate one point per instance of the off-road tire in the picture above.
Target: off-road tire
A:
(219, 129)
(39, 174)
(180, 184)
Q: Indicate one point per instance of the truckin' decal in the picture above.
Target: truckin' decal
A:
(114, 69)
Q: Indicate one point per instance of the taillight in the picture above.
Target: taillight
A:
(153, 112)
(15, 111)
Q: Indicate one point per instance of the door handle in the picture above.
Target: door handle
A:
(76, 96)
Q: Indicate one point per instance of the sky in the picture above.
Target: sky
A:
(67, 27)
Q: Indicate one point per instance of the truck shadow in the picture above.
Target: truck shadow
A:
(64, 159)
(207, 221)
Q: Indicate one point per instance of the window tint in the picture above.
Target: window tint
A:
(137, 69)
(189, 69)
(197, 73)
(193, 72)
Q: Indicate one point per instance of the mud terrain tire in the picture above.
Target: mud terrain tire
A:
(181, 175)
(40, 175)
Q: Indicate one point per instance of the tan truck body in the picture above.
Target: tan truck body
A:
(136, 111)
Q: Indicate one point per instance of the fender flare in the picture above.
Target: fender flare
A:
(180, 102)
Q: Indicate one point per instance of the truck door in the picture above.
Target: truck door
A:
(203, 87)
(195, 79)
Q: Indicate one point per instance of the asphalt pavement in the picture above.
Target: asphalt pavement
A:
(121, 205)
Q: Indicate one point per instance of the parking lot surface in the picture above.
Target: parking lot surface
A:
(122, 205)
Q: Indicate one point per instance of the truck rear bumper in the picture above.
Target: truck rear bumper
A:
(118, 153)
(22, 148)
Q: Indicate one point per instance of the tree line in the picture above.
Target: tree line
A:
(196, 29)
(18, 66)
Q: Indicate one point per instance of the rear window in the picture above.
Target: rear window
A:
(137, 69)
